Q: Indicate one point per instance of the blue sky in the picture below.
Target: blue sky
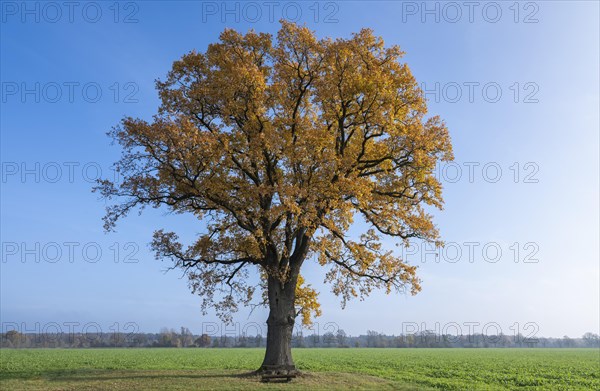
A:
(518, 86)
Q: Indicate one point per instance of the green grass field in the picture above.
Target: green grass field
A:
(335, 369)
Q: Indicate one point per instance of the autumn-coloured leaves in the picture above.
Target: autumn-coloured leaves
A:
(280, 144)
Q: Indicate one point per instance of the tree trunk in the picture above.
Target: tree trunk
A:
(280, 326)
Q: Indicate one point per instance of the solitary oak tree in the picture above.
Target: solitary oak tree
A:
(278, 145)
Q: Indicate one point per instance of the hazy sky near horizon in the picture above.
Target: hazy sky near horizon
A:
(518, 86)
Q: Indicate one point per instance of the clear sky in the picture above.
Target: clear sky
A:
(517, 83)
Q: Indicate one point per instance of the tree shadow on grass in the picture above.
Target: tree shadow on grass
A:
(122, 379)
(121, 374)
(158, 375)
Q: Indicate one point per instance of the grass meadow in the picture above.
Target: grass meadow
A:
(323, 369)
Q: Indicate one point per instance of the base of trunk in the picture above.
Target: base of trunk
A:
(277, 373)
(278, 370)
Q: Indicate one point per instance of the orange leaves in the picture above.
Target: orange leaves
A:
(307, 301)
(283, 143)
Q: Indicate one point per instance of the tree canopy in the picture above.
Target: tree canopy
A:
(278, 145)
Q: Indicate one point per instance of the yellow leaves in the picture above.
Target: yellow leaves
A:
(306, 299)
(288, 141)
(356, 268)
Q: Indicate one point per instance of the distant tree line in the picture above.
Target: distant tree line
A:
(184, 338)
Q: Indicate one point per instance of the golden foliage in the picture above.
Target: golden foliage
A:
(306, 299)
(279, 144)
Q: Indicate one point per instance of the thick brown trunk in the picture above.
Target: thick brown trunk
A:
(280, 325)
